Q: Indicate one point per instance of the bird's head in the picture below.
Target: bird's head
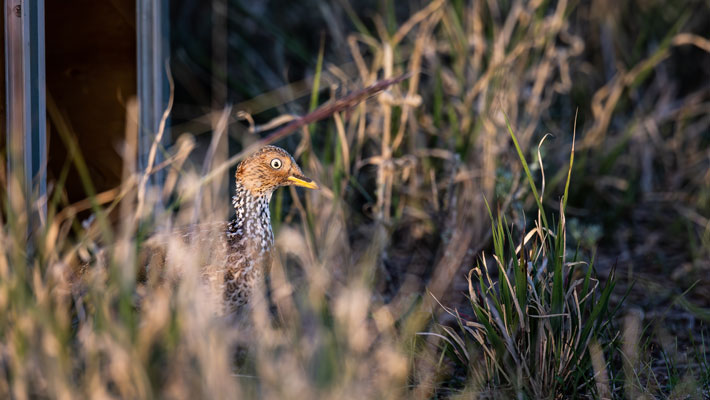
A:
(268, 169)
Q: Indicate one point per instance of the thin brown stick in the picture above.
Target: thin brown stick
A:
(320, 113)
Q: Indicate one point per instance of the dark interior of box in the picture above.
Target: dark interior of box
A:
(91, 73)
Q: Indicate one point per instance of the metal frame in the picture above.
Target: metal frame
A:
(26, 128)
(153, 88)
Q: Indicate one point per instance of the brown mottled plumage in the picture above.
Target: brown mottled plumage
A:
(237, 254)
(249, 235)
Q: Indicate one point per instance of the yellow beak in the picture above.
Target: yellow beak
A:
(303, 182)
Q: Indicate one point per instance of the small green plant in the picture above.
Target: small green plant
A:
(537, 312)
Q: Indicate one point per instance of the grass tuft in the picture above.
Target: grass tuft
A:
(537, 315)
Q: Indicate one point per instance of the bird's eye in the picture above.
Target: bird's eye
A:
(276, 163)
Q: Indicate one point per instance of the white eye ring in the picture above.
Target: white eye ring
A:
(276, 163)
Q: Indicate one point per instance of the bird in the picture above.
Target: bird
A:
(237, 254)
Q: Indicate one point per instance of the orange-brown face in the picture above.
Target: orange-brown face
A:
(267, 169)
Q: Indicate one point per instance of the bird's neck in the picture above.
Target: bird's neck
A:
(252, 220)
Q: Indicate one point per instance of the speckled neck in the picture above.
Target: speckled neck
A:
(253, 219)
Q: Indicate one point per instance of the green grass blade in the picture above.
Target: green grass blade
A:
(527, 170)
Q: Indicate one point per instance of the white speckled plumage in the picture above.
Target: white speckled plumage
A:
(249, 240)
(237, 254)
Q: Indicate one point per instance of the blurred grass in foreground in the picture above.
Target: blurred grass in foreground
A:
(400, 221)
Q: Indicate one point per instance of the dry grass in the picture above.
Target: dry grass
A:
(400, 220)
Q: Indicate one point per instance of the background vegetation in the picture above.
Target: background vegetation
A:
(455, 250)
